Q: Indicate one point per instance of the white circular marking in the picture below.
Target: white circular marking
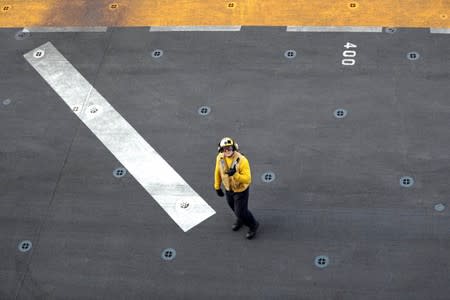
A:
(39, 53)
(439, 207)
(25, 246)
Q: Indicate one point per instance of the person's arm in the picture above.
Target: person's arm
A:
(217, 177)
(243, 175)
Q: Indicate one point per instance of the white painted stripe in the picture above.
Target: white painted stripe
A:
(66, 29)
(333, 29)
(440, 30)
(195, 28)
(163, 183)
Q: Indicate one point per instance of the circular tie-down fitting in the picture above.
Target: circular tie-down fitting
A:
(39, 53)
(443, 16)
(290, 54)
(113, 6)
(390, 30)
(321, 261)
(231, 5)
(340, 113)
(183, 206)
(413, 55)
(353, 5)
(5, 8)
(7, 102)
(204, 110)
(168, 254)
(439, 207)
(119, 172)
(268, 177)
(25, 246)
(406, 181)
(93, 110)
(22, 34)
(157, 53)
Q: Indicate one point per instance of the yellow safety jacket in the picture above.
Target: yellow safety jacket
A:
(240, 181)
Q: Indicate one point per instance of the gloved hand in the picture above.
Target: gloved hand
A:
(220, 193)
(231, 171)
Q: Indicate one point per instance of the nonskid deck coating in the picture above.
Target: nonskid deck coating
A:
(337, 190)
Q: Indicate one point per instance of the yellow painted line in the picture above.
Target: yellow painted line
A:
(75, 13)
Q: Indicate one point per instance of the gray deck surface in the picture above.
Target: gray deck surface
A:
(337, 189)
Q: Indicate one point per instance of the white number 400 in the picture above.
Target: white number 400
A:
(349, 53)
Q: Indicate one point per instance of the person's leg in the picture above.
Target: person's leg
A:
(241, 209)
(230, 199)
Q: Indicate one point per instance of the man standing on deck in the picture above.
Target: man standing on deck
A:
(233, 171)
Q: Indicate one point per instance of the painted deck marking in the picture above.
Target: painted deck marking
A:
(195, 28)
(440, 30)
(334, 29)
(66, 29)
(157, 177)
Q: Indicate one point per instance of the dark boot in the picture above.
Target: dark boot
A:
(237, 225)
(252, 232)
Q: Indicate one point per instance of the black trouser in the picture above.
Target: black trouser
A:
(238, 201)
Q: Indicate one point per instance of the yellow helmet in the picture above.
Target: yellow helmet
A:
(227, 141)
